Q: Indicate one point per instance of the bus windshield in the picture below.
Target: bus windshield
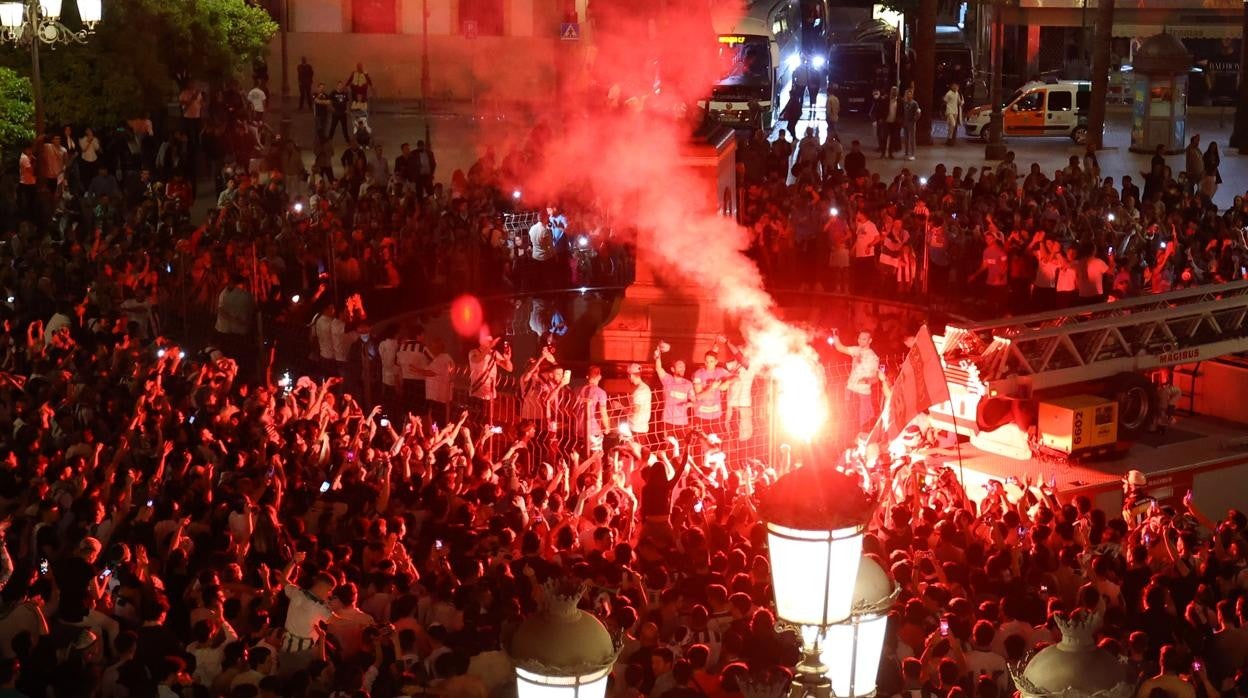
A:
(746, 59)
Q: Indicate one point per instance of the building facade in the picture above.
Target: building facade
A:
(472, 49)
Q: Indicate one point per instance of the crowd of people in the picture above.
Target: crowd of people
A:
(996, 240)
(178, 523)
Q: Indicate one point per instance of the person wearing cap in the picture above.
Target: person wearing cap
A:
(1136, 503)
(591, 410)
(639, 403)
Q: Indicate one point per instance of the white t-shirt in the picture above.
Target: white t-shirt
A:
(304, 613)
(1091, 276)
(542, 241)
(862, 373)
(864, 241)
(639, 410)
(324, 329)
(953, 104)
(342, 340)
(257, 99)
(438, 386)
(387, 351)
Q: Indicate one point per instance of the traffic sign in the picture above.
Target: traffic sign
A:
(470, 29)
(570, 31)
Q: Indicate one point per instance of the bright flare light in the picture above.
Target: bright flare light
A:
(793, 61)
(818, 62)
(835, 212)
(787, 353)
(516, 195)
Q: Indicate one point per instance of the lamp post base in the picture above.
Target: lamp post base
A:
(811, 678)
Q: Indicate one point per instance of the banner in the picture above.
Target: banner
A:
(919, 384)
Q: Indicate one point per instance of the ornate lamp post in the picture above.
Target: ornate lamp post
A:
(853, 648)
(1074, 667)
(34, 22)
(815, 521)
(562, 651)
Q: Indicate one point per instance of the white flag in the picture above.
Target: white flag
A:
(919, 385)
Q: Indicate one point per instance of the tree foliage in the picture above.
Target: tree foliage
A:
(127, 67)
(17, 111)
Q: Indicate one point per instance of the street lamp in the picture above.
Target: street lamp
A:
(34, 22)
(852, 649)
(815, 521)
(562, 651)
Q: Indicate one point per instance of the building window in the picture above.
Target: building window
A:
(487, 14)
(374, 17)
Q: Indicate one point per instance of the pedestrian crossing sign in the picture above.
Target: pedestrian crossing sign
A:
(570, 31)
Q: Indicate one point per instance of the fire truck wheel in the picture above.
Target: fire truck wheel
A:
(1137, 403)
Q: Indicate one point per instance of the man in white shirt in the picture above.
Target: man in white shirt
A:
(235, 312)
(258, 99)
(863, 375)
(483, 365)
(640, 402)
(309, 609)
(953, 112)
(981, 659)
(542, 250)
(863, 271)
(1090, 275)
(387, 354)
(413, 359)
(323, 333)
(438, 383)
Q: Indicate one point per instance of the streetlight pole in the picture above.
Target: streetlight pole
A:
(36, 78)
(995, 149)
(35, 22)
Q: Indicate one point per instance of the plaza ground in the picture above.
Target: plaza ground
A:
(459, 138)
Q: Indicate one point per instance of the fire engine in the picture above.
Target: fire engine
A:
(1087, 380)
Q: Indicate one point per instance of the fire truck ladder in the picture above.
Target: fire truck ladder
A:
(1096, 341)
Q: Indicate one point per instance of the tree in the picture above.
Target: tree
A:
(127, 67)
(1100, 71)
(17, 112)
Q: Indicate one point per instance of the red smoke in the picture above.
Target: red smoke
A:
(625, 119)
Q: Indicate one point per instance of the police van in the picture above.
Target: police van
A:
(1056, 108)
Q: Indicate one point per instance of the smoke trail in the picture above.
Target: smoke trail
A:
(623, 143)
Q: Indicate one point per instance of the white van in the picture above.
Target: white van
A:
(1057, 108)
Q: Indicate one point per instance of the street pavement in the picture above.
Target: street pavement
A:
(459, 139)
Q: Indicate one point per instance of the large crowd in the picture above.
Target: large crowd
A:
(179, 523)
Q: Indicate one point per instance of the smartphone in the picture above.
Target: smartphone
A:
(944, 627)
(324, 487)
(697, 506)
(437, 544)
(150, 502)
(496, 430)
(43, 566)
(1197, 666)
(1044, 589)
(1022, 531)
(191, 420)
(108, 572)
(385, 421)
